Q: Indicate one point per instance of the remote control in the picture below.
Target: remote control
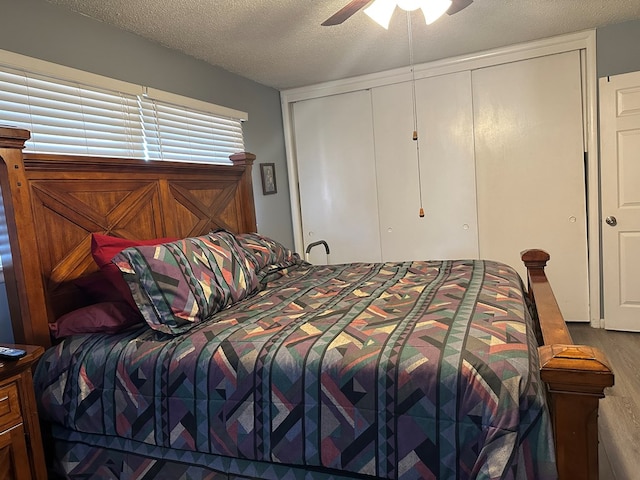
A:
(7, 353)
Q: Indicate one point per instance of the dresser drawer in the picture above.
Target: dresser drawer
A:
(9, 406)
(14, 455)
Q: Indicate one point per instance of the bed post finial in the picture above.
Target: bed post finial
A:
(242, 158)
(246, 159)
(534, 258)
(13, 137)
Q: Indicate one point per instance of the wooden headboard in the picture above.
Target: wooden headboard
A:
(52, 204)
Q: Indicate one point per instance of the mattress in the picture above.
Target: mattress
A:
(424, 369)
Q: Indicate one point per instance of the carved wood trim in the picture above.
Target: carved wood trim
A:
(13, 137)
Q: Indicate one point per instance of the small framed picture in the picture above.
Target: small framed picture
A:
(268, 174)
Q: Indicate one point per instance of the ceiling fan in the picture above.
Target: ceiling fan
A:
(352, 7)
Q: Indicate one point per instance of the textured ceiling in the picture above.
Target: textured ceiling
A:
(280, 43)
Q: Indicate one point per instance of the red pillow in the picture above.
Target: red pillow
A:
(106, 317)
(105, 247)
(98, 288)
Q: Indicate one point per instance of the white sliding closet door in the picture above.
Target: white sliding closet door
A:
(530, 170)
(336, 173)
(445, 127)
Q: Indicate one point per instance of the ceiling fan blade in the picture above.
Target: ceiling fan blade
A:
(458, 5)
(345, 12)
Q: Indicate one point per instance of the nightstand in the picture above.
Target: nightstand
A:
(21, 453)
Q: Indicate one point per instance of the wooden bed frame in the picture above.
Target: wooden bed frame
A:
(52, 204)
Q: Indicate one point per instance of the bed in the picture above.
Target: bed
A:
(418, 369)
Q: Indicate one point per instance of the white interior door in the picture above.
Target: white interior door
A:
(530, 170)
(445, 125)
(620, 176)
(337, 178)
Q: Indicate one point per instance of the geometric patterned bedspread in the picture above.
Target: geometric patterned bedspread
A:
(395, 370)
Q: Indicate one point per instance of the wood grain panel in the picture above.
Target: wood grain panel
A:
(14, 457)
(202, 206)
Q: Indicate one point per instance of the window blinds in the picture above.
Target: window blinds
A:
(177, 133)
(73, 118)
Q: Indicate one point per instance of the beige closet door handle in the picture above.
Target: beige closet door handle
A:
(611, 221)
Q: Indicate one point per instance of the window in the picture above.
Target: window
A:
(73, 112)
(74, 117)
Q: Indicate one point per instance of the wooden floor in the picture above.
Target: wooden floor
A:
(619, 420)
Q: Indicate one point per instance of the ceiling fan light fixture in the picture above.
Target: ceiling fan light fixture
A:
(411, 5)
(434, 9)
(381, 11)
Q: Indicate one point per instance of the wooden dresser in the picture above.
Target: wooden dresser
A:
(21, 452)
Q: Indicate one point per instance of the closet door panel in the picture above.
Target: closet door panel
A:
(403, 235)
(444, 113)
(530, 170)
(336, 173)
(445, 129)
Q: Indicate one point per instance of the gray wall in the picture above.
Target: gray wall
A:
(618, 48)
(38, 29)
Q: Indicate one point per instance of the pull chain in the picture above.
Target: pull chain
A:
(415, 110)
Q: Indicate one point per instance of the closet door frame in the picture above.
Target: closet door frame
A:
(584, 41)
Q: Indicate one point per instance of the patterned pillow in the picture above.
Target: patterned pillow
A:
(178, 284)
(268, 255)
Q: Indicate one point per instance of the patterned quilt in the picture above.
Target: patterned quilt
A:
(396, 370)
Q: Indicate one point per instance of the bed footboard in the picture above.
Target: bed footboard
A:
(576, 376)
